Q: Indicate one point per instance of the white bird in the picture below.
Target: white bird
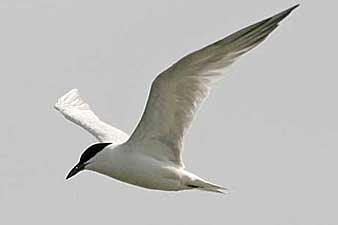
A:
(152, 156)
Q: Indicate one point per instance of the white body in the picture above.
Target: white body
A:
(127, 161)
(124, 164)
(152, 156)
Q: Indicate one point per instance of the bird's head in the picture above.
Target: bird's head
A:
(87, 158)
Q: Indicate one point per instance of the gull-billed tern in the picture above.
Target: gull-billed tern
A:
(151, 157)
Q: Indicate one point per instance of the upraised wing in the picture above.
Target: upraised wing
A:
(177, 93)
(75, 109)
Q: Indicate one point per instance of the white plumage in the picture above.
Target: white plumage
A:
(75, 109)
(152, 156)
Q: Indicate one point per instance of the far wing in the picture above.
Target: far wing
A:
(177, 93)
(75, 109)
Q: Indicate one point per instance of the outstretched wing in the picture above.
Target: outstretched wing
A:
(75, 109)
(177, 93)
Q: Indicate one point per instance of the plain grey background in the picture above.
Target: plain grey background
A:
(268, 131)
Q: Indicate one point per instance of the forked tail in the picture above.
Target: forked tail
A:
(203, 185)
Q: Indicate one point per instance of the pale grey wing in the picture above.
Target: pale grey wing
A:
(75, 109)
(177, 93)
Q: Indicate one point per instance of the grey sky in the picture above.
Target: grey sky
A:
(268, 131)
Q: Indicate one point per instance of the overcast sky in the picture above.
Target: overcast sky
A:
(268, 132)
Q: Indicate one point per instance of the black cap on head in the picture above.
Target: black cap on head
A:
(89, 153)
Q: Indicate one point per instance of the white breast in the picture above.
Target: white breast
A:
(136, 168)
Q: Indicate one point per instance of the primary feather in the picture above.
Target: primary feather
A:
(152, 156)
(75, 109)
(177, 93)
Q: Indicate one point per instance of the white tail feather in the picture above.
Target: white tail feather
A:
(206, 186)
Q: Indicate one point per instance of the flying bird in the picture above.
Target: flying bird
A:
(151, 157)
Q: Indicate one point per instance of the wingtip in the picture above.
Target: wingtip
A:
(289, 10)
(71, 98)
(282, 15)
(74, 93)
(295, 6)
(73, 90)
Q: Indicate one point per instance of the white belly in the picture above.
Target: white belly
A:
(142, 170)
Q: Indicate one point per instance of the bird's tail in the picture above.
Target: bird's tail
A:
(203, 185)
